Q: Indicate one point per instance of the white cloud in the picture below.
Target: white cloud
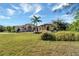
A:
(67, 18)
(4, 17)
(59, 6)
(38, 8)
(10, 12)
(15, 7)
(26, 7)
(35, 8)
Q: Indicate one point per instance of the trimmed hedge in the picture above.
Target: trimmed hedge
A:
(61, 36)
(67, 36)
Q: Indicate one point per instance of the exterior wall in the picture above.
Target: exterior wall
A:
(25, 28)
(30, 28)
(46, 27)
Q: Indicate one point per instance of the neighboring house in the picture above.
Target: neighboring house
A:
(31, 28)
(24, 28)
(47, 27)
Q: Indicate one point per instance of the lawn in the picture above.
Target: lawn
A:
(29, 44)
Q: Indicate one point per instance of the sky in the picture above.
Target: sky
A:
(21, 13)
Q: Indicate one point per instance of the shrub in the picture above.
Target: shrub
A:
(48, 36)
(61, 36)
(66, 36)
(77, 36)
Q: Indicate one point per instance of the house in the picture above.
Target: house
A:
(31, 28)
(24, 28)
(47, 27)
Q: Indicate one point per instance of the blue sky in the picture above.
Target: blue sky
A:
(21, 13)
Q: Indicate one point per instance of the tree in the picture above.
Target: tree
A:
(13, 29)
(75, 24)
(2, 28)
(59, 25)
(18, 30)
(35, 20)
(9, 28)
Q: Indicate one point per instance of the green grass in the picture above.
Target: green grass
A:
(29, 44)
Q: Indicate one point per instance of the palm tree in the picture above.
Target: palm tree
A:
(35, 20)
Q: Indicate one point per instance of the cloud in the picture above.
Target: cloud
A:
(10, 12)
(15, 7)
(4, 17)
(26, 7)
(35, 8)
(38, 8)
(59, 6)
(67, 18)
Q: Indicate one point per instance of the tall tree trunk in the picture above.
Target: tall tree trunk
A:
(36, 28)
